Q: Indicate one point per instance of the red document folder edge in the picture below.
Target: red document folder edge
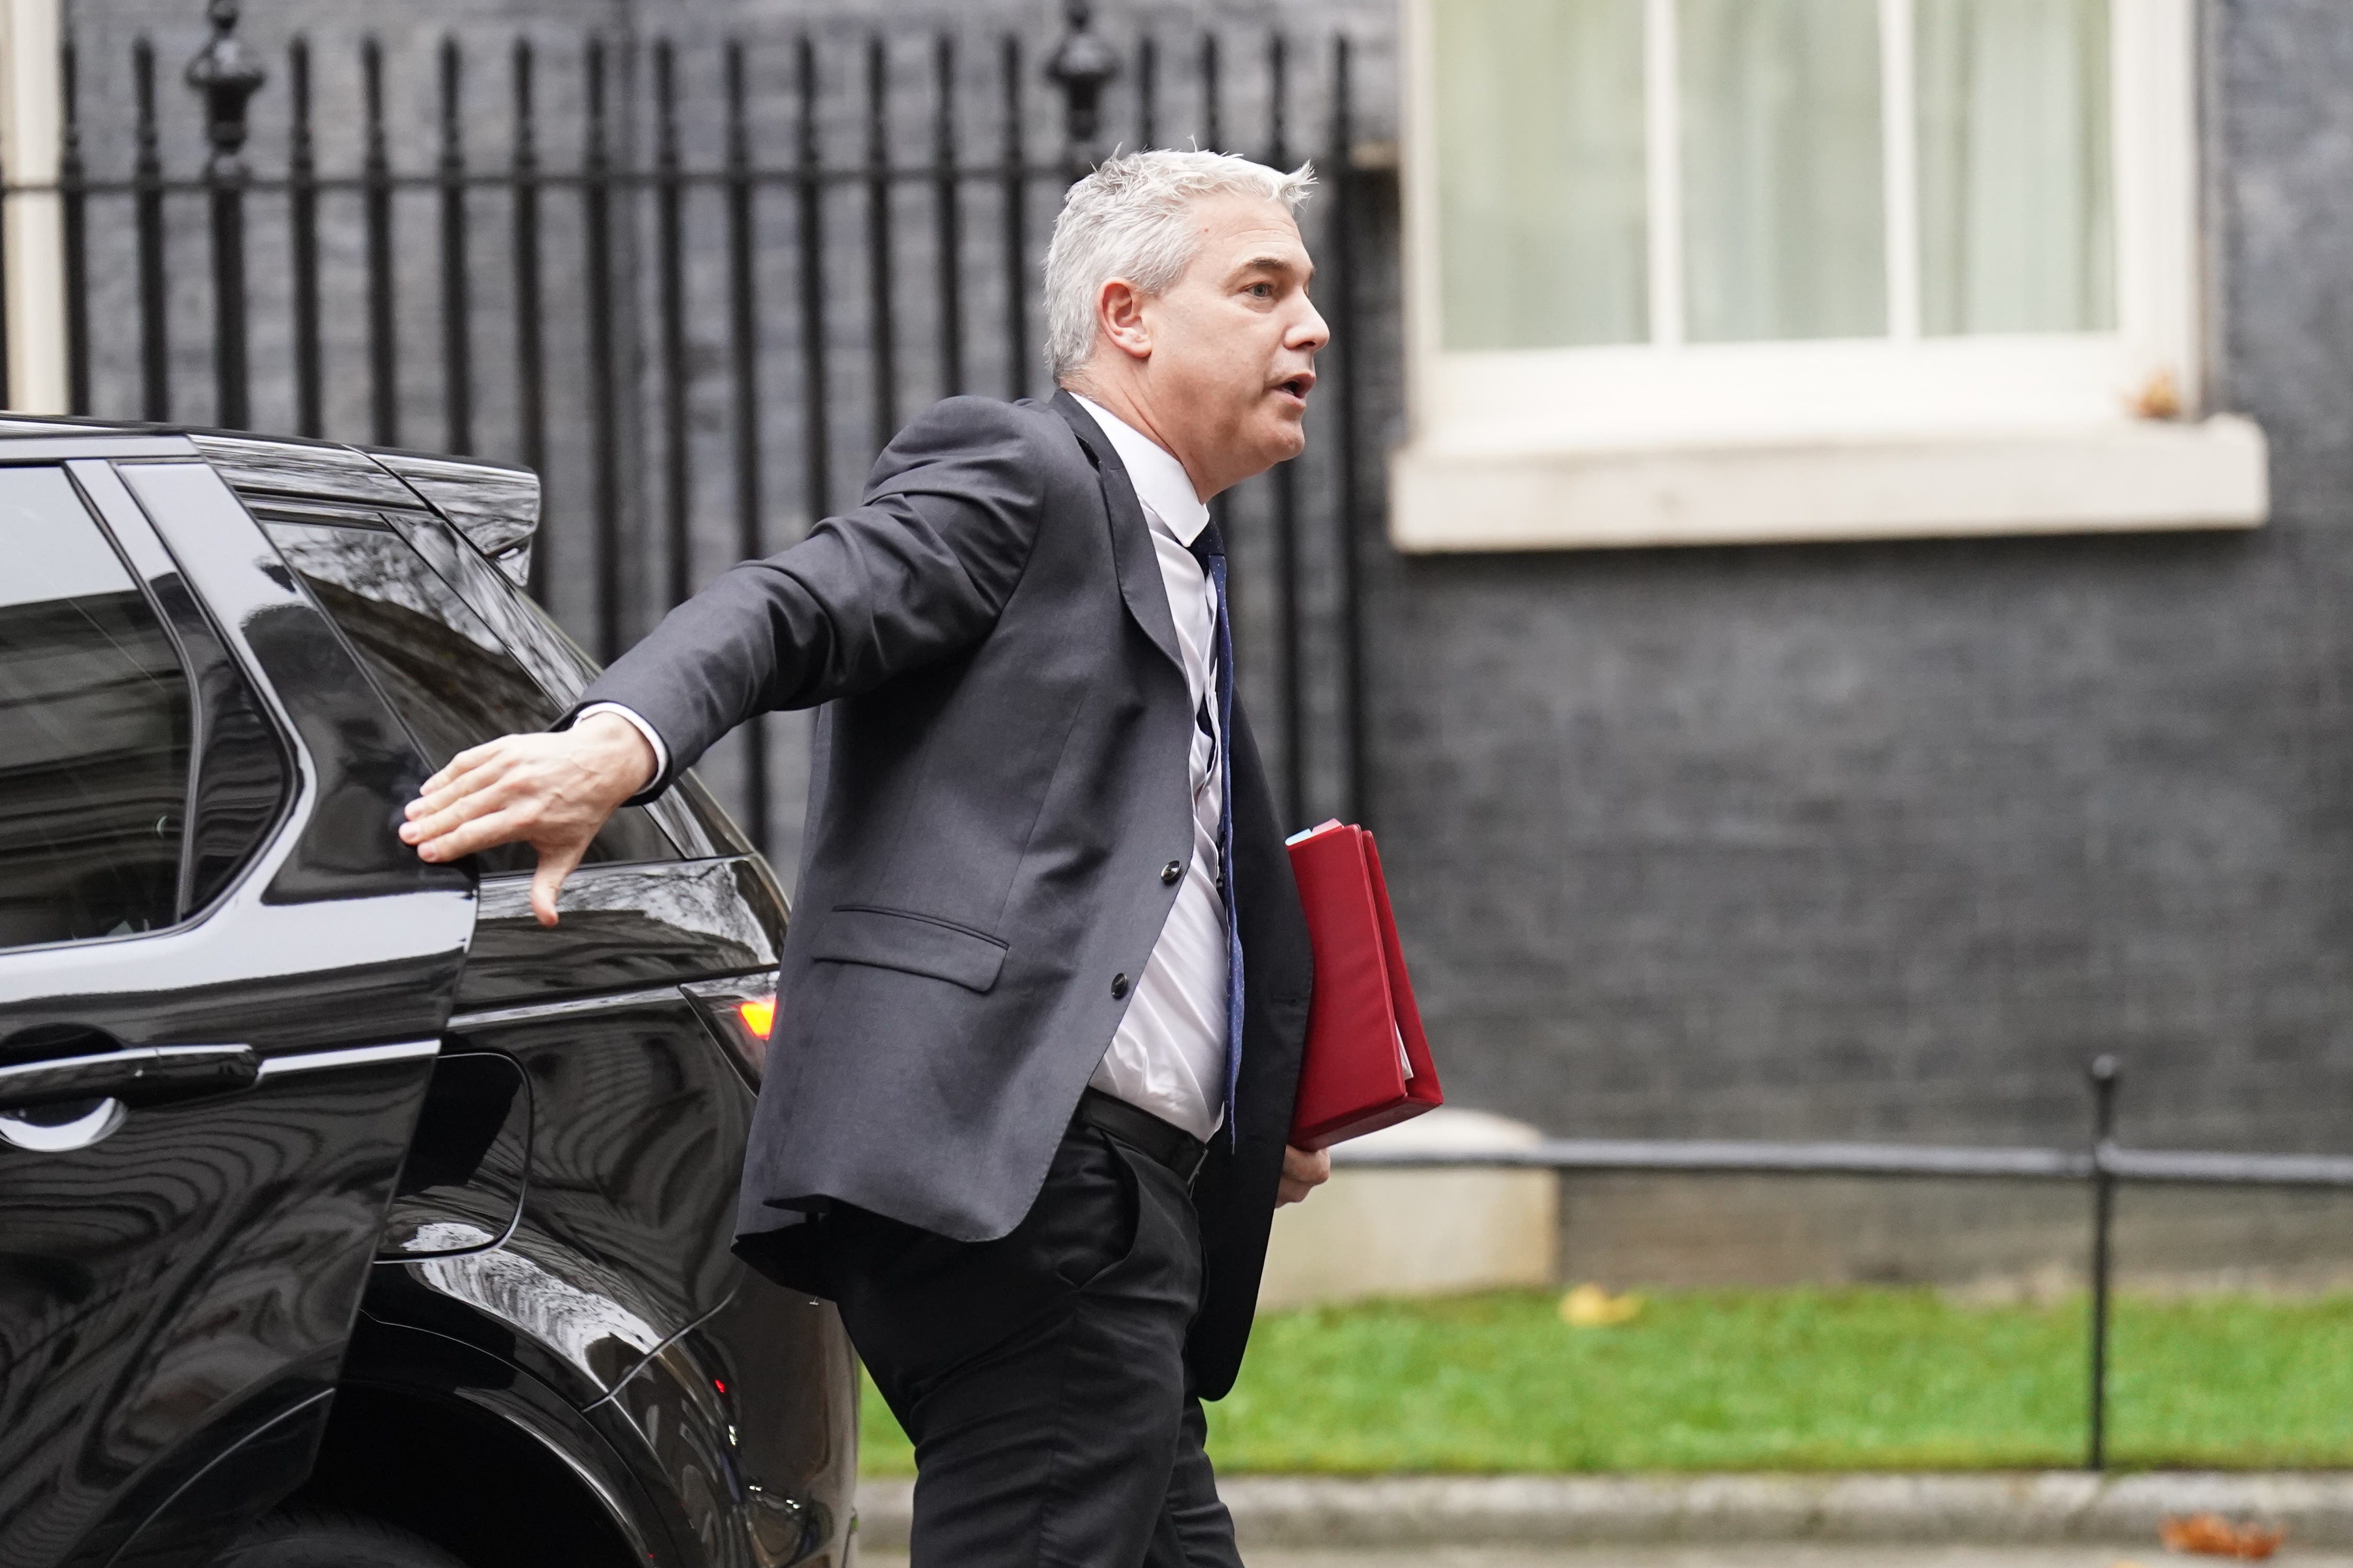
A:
(1367, 1064)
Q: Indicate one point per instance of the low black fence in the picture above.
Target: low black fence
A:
(2100, 1165)
(697, 293)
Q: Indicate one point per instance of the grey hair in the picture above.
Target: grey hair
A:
(1126, 219)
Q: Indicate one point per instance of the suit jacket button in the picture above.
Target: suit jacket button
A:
(1171, 871)
(1118, 986)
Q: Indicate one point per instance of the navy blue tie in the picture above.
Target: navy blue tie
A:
(1208, 548)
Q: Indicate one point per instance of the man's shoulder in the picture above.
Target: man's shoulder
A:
(1016, 450)
(970, 420)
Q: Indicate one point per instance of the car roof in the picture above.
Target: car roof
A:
(494, 504)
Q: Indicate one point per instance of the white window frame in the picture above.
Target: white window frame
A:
(1674, 443)
(30, 146)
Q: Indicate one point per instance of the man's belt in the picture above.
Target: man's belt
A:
(1139, 1129)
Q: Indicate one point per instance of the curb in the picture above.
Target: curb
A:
(2037, 1507)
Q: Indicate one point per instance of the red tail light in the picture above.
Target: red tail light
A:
(759, 1014)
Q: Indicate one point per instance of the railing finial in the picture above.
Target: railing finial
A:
(228, 77)
(1082, 65)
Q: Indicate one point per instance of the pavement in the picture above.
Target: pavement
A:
(2029, 1519)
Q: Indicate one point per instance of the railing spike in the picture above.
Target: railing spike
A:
(1081, 65)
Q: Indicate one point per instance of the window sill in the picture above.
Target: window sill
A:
(2119, 476)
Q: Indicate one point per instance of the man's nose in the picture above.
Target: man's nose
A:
(1310, 332)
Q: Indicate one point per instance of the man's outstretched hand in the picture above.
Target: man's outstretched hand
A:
(551, 790)
(1303, 1173)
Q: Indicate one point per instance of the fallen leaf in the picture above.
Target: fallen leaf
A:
(1591, 1307)
(2211, 1535)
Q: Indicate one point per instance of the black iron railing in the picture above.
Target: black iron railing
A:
(670, 262)
(2100, 1164)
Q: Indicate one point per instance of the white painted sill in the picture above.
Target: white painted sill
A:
(2115, 476)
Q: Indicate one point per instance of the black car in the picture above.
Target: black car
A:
(347, 1214)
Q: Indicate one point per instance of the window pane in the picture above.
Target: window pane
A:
(94, 725)
(443, 671)
(1783, 229)
(1541, 204)
(2017, 226)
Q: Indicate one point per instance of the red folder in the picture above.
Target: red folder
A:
(1367, 1062)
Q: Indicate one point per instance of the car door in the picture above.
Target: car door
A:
(223, 981)
(731, 1400)
(637, 1120)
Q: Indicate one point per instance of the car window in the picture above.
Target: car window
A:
(443, 671)
(95, 721)
(693, 820)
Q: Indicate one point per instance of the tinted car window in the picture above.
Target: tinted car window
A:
(95, 716)
(693, 820)
(441, 667)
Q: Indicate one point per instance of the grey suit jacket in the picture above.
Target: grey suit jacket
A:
(999, 777)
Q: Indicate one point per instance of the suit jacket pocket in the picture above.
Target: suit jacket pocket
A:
(918, 944)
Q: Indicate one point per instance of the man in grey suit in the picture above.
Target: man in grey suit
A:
(1025, 1111)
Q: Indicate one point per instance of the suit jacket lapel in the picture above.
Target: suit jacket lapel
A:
(1139, 582)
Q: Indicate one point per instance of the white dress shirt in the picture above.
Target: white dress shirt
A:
(1168, 1055)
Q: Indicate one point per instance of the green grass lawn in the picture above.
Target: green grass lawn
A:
(1766, 1379)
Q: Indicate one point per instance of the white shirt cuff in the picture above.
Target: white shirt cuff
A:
(661, 752)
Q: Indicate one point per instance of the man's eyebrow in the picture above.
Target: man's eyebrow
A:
(1271, 264)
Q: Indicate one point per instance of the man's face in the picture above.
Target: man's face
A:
(1233, 344)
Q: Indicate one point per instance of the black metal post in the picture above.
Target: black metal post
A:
(73, 213)
(2104, 1073)
(743, 324)
(809, 189)
(882, 328)
(1081, 65)
(227, 78)
(1213, 131)
(456, 313)
(376, 206)
(530, 385)
(670, 222)
(302, 234)
(1147, 92)
(1017, 239)
(948, 210)
(147, 185)
(1346, 184)
(604, 432)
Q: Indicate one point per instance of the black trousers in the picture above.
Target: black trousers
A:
(1041, 1375)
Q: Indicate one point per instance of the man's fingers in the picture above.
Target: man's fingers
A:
(549, 789)
(464, 763)
(555, 863)
(485, 831)
(425, 832)
(461, 778)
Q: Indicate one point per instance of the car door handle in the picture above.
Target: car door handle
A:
(138, 1075)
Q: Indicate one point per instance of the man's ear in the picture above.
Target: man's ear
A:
(1119, 317)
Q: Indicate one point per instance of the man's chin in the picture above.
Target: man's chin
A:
(1285, 432)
